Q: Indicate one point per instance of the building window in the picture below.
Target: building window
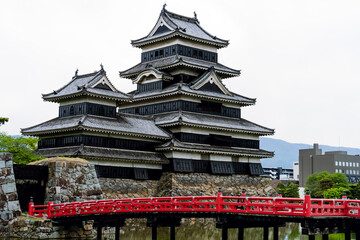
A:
(357, 172)
(336, 164)
(357, 164)
(72, 110)
(336, 170)
(347, 171)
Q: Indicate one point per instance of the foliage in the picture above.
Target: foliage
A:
(335, 193)
(355, 191)
(23, 149)
(3, 120)
(290, 190)
(320, 182)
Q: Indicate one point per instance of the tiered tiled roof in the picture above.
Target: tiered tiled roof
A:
(210, 122)
(171, 25)
(184, 89)
(87, 85)
(176, 60)
(124, 124)
(90, 152)
(174, 144)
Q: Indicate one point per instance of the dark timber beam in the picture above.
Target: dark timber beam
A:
(224, 233)
(117, 233)
(99, 233)
(357, 235)
(348, 236)
(276, 233)
(240, 233)
(266, 233)
(154, 232)
(311, 237)
(325, 237)
(172, 233)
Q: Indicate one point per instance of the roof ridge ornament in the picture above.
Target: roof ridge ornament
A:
(76, 73)
(164, 6)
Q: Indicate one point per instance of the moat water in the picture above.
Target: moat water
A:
(197, 230)
(202, 230)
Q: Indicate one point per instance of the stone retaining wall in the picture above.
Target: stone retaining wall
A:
(34, 228)
(9, 204)
(186, 184)
(69, 181)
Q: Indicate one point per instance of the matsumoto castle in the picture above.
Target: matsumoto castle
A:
(181, 117)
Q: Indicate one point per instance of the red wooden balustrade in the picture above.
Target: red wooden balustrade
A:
(249, 205)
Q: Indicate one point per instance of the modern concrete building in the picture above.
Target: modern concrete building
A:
(312, 160)
(279, 173)
(296, 170)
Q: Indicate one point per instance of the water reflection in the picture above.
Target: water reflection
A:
(196, 230)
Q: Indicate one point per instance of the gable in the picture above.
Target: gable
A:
(161, 26)
(162, 29)
(210, 82)
(104, 83)
(211, 87)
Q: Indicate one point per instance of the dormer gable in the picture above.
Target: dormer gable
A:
(151, 75)
(210, 81)
(103, 83)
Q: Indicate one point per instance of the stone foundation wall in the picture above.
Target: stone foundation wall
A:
(71, 181)
(9, 204)
(186, 184)
(34, 228)
(127, 188)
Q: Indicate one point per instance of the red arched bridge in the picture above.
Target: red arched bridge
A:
(331, 215)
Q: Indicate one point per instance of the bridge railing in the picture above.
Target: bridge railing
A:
(306, 207)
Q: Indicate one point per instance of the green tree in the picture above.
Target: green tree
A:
(23, 149)
(355, 191)
(3, 120)
(326, 183)
(320, 182)
(335, 193)
(291, 190)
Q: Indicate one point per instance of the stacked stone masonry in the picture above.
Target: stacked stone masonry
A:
(9, 204)
(70, 181)
(186, 184)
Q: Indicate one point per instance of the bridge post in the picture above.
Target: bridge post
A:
(172, 233)
(117, 232)
(276, 233)
(99, 232)
(240, 233)
(311, 237)
(325, 237)
(224, 233)
(307, 204)
(348, 236)
(154, 232)
(266, 233)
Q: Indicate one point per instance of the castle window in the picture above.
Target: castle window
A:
(195, 53)
(156, 53)
(161, 52)
(71, 110)
(200, 54)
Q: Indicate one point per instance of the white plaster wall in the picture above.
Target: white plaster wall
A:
(125, 164)
(111, 103)
(211, 131)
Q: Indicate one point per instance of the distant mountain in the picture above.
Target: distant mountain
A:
(286, 153)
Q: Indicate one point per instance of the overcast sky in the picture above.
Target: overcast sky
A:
(300, 59)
